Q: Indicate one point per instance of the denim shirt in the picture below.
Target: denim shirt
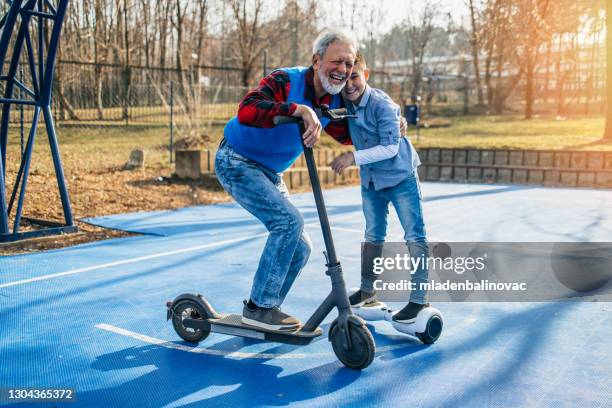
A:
(377, 123)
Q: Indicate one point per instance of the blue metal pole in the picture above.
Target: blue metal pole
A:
(42, 80)
(57, 163)
(47, 79)
(3, 213)
(46, 94)
(26, 169)
(5, 41)
(21, 118)
(17, 181)
(41, 43)
(171, 147)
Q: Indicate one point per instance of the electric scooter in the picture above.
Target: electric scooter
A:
(194, 318)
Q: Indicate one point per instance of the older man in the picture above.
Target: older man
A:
(253, 154)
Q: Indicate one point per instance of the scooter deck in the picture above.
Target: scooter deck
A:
(232, 324)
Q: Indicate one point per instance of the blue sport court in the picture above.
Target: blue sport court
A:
(92, 318)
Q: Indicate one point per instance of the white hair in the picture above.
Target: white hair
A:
(327, 37)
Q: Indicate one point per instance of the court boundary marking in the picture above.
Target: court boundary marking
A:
(148, 257)
(470, 319)
(131, 260)
(231, 354)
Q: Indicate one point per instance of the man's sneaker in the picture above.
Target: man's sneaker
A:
(269, 318)
(361, 298)
(409, 313)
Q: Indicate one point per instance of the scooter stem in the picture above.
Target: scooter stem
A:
(318, 196)
(337, 297)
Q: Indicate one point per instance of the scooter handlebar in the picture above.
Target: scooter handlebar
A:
(324, 111)
(282, 120)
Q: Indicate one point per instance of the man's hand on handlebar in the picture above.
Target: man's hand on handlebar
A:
(311, 124)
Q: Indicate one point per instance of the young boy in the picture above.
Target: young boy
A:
(388, 164)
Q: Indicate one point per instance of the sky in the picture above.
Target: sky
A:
(394, 11)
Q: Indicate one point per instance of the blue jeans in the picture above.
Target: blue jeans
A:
(264, 194)
(406, 198)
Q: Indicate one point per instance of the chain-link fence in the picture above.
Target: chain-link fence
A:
(90, 94)
(453, 95)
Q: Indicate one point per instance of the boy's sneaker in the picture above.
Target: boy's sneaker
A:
(361, 298)
(409, 313)
(269, 318)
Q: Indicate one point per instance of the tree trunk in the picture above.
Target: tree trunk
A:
(608, 131)
(98, 25)
(98, 91)
(416, 79)
(549, 46)
(127, 74)
(475, 48)
(59, 85)
(529, 83)
(147, 47)
(164, 7)
(488, 78)
(560, 79)
(246, 74)
(182, 77)
(503, 91)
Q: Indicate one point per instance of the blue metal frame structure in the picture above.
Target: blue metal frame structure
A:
(24, 20)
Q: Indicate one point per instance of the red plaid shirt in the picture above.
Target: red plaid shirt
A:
(259, 107)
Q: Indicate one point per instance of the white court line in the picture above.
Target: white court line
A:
(128, 261)
(232, 354)
(142, 258)
(356, 231)
(313, 225)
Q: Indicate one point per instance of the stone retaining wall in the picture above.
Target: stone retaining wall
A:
(541, 167)
(193, 163)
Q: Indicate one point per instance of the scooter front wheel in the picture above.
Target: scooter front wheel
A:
(361, 354)
(188, 309)
(433, 329)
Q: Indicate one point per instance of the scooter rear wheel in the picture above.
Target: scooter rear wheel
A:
(188, 309)
(363, 348)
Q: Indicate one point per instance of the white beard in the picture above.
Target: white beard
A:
(329, 88)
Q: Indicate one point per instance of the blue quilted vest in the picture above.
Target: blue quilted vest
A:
(275, 148)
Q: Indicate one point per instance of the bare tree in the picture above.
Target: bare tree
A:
(146, 16)
(419, 33)
(533, 16)
(490, 32)
(162, 11)
(475, 43)
(608, 129)
(249, 43)
(99, 38)
(503, 66)
(250, 36)
(178, 20)
(71, 26)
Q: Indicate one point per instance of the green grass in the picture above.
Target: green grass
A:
(95, 149)
(514, 132)
(86, 149)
